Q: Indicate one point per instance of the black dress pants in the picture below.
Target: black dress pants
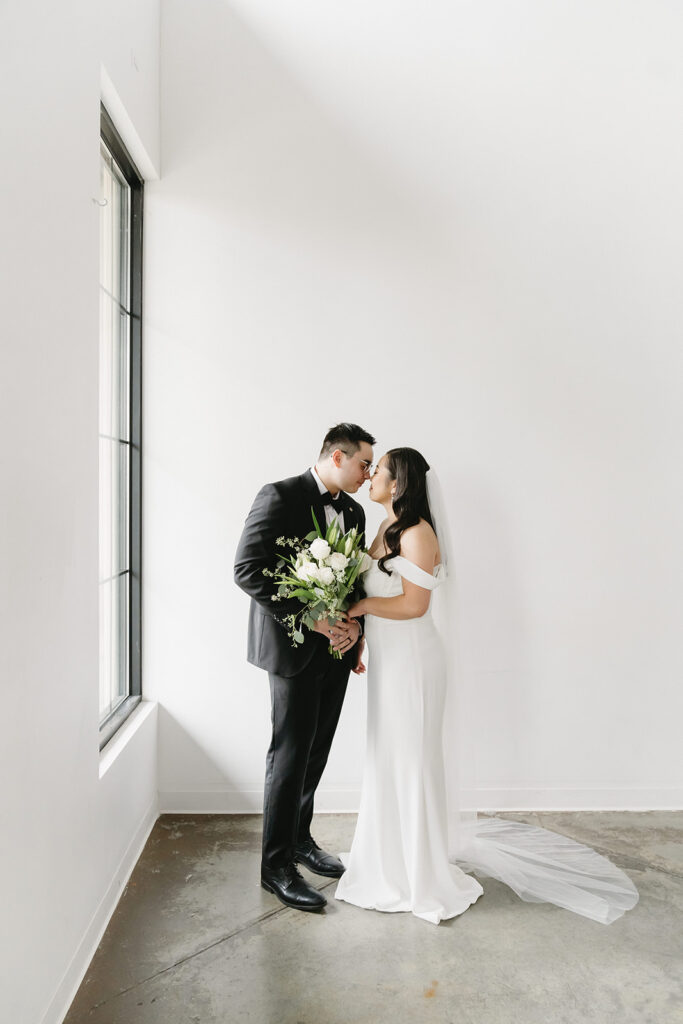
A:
(305, 710)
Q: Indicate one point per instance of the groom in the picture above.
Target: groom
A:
(307, 685)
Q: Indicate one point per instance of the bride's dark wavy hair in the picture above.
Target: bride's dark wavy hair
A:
(409, 469)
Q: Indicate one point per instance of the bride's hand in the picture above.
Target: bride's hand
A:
(359, 667)
(336, 632)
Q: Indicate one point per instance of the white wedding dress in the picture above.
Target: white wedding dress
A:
(401, 858)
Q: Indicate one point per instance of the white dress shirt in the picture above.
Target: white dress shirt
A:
(330, 513)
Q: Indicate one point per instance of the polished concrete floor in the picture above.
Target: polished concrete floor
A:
(195, 940)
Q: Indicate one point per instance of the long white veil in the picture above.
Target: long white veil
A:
(539, 865)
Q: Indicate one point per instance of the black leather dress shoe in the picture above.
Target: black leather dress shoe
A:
(291, 888)
(315, 859)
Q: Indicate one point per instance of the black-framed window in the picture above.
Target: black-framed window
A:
(120, 379)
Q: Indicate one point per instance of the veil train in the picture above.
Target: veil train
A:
(541, 866)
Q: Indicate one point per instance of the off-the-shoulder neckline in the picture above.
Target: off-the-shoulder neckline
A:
(414, 564)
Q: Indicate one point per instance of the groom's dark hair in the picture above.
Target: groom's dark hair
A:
(349, 434)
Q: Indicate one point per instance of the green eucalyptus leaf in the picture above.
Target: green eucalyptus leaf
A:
(317, 527)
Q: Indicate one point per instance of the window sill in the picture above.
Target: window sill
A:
(110, 728)
(123, 736)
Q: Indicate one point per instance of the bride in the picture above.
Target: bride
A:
(410, 832)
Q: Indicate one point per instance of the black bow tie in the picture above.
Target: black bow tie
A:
(336, 503)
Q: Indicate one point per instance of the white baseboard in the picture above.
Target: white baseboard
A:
(249, 801)
(327, 801)
(75, 972)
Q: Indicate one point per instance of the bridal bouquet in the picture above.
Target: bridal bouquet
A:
(321, 571)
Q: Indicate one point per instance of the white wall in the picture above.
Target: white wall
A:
(458, 225)
(72, 822)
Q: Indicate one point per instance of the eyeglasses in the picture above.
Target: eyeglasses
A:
(367, 466)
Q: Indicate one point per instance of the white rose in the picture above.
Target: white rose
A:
(325, 575)
(320, 548)
(366, 563)
(308, 571)
(337, 560)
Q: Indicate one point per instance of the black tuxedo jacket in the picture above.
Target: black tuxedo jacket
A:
(282, 509)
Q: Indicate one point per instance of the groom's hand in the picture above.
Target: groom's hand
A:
(350, 637)
(342, 635)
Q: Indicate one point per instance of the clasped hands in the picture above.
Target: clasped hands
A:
(343, 635)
